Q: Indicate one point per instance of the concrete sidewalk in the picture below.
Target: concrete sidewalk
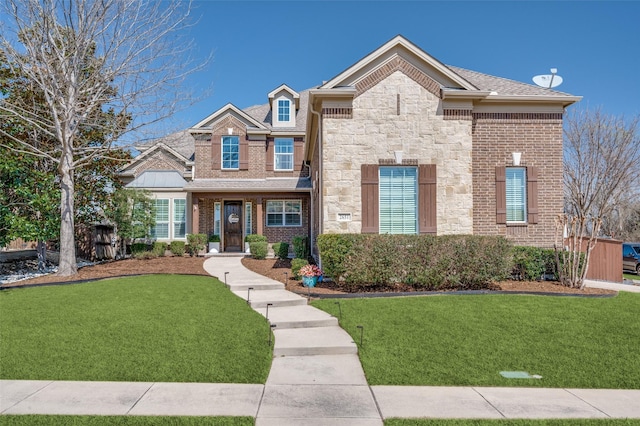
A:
(315, 379)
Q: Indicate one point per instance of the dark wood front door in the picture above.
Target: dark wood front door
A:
(233, 226)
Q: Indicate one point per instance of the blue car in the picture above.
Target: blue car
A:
(631, 257)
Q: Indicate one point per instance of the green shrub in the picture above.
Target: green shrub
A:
(281, 250)
(177, 248)
(421, 261)
(255, 238)
(144, 255)
(138, 248)
(258, 249)
(214, 238)
(159, 248)
(301, 246)
(197, 243)
(296, 264)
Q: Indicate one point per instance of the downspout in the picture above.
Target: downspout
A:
(311, 239)
(319, 143)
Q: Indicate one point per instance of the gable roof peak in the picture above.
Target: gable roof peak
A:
(227, 109)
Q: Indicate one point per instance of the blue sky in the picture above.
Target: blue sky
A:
(258, 45)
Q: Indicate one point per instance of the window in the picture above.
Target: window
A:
(247, 218)
(284, 213)
(516, 194)
(179, 218)
(230, 152)
(216, 218)
(284, 154)
(161, 229)
(398, 192)
(284, 110)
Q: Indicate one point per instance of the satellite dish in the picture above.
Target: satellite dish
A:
(548, 81)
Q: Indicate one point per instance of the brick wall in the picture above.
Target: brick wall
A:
(538, 136)
(159, 160)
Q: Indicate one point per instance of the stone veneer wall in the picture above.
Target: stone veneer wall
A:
(538, 136)
(376, 131)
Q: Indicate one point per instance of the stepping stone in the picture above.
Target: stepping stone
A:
(257, 286)
(298, 317)
(317, 370)
(313, 341)
(259, 299)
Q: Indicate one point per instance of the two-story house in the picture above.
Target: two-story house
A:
(396, 143)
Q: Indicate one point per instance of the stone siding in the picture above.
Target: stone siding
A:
(539, 138)
(397, 114)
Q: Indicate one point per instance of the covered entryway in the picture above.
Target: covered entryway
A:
(233, 226)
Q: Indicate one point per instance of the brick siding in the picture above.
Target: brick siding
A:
(538, 136)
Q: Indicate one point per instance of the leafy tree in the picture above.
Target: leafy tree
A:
(601, 169)
(133, 213)
(103, 68)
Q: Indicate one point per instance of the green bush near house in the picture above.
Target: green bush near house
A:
(259, 249)
(281, 250)
(296, 264)
(214, 238)
(197, 243)
(255, 238)
(424, 262)
(177, 248)
(137, 248)
(300, 246)
(159, 248)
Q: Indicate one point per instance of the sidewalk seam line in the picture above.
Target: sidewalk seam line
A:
(375, 401)
(590, 405)
(492, 406)
(138, 400)
(29, 396)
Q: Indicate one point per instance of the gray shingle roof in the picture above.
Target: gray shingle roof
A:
(268, 184)
(182, 142)
(503, 86)
(262, 113)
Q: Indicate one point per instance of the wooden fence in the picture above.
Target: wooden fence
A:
(605, 263)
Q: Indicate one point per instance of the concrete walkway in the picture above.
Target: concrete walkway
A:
(315, 379)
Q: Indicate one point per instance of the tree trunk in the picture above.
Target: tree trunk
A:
(67, 265)
(42, 255)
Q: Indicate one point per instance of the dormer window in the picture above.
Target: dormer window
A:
(284, 110)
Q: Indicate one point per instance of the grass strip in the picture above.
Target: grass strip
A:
(156, 328)
(468, 340)
(28, 420)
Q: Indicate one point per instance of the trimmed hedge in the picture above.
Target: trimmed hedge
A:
(422, 261)
(159, 248)
(300, 246)
(258, 249)
(177, 248)
(137, 248)
(255, 238)
(197, 243)
(281, 250)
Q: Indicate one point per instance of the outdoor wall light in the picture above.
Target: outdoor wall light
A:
(516, 158)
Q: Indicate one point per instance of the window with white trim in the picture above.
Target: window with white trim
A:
(398, 203)
(179, 218)
(284, 110)
(284, 213)
(216, 218)
(283, 154)
(247, 218)
(230, 152)
(516, 197)
(161, 228)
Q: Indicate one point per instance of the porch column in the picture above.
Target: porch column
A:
(195, 216)
(259, 219)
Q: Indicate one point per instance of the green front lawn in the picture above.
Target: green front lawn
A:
(631, 276)
(159, 328)
(469, 340)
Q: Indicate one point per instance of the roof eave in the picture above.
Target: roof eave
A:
(564, 100)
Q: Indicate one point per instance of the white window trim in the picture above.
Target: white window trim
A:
(415, 202)
(524, 195)
(222, 167)
(276, 154)
(283, 213)
(288, 101)
(154, 232)
(174, 222)
(248, 218)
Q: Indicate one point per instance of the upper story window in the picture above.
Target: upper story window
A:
(516, 184)
(283, 153)
(284, 110)
(230, 152)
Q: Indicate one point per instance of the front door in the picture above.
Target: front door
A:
(233, 226)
